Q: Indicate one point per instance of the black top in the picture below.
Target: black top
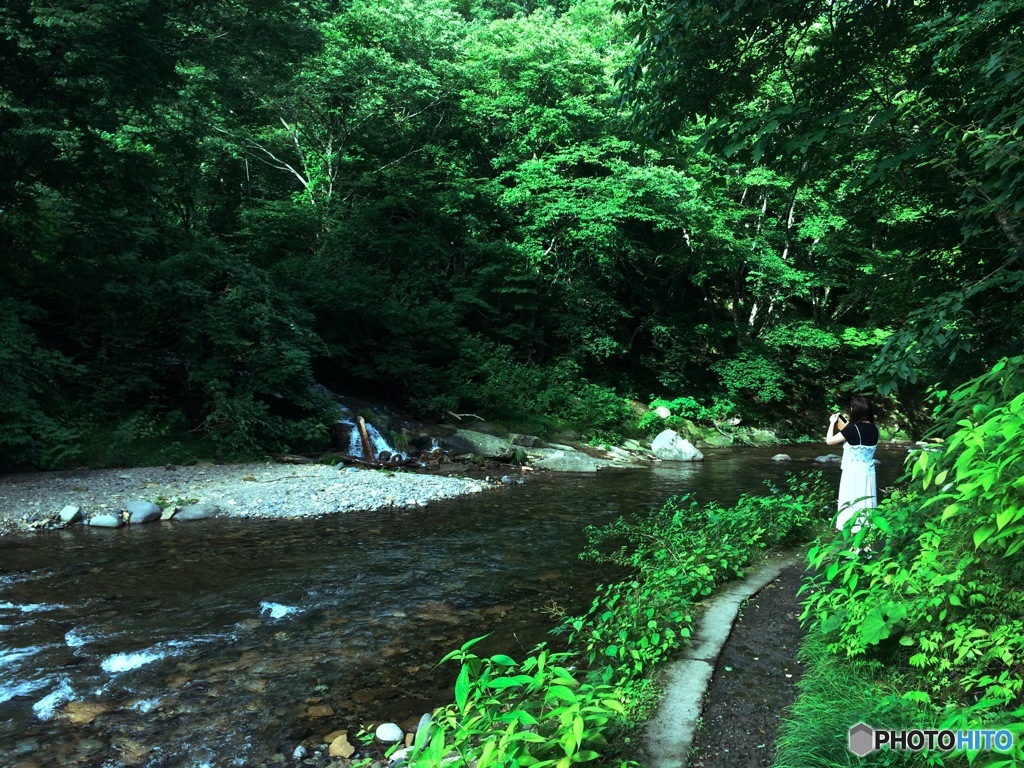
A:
(861, 433)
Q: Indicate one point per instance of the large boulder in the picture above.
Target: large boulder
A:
(762, 437)
(687, 429)
(715, 439)
(562, 460)
(669, 446)
(525, 441)
(488, 446)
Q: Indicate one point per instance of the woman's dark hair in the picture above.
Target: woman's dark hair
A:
(860, 410)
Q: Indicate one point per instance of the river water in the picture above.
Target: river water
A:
(229, 642)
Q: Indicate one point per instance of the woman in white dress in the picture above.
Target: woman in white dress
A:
(859, 438)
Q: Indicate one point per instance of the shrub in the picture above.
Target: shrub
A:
(943, 593)
(31, 407)
(550, 397)
(679, 555)
(531, 713)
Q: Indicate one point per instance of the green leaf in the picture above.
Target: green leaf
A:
(462, 688)
(874, 628)
(1007, 516)
(501, 683)
(982, 534)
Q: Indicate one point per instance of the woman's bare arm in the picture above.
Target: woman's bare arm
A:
(835, 426)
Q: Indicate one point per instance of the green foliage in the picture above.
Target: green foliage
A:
(177, 501)
(421, 199)
(943, 590)
(835, 693)
(535, 712)
(145, 437)
(548, 396)
(679, 555)
(34, 432)
(579, 706)
(682, 409)
(905, 120)
(753, 375)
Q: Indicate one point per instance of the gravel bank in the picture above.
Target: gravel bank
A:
(240, 490)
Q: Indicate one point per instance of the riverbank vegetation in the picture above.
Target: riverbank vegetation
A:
(586, 703)
(210, 212)
(933, 617)
(915, 621)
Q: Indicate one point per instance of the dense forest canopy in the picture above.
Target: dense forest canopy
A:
(533, 211)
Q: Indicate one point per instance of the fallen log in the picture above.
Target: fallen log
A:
(364, 436)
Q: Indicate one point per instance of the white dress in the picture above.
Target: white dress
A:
(857, 484)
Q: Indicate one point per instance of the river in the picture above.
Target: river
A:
(230, 642)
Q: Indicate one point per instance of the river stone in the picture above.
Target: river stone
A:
(715, 439)
(762, 436)
(488, 446)
(70, 514)
(568, 461)
(669, 446)
(106, 520)
(389, 732)
(197, 512)
(340, 747)
(827, 458)
(423, 730)
(142, 512)
(622, 457)
(525, 441)
(782, 457)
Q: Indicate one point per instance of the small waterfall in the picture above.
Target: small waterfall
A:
(377, 441)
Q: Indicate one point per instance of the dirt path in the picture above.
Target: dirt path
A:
(754, 680)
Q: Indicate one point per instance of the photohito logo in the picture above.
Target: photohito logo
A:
(863, 739)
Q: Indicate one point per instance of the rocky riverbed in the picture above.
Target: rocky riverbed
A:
(273, 490)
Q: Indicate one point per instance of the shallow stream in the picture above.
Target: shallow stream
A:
(229, 642)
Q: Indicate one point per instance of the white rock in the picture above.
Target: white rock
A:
(669, 446)
(389, 732)
(663, 411)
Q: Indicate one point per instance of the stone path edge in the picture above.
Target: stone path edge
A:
(668, 736)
